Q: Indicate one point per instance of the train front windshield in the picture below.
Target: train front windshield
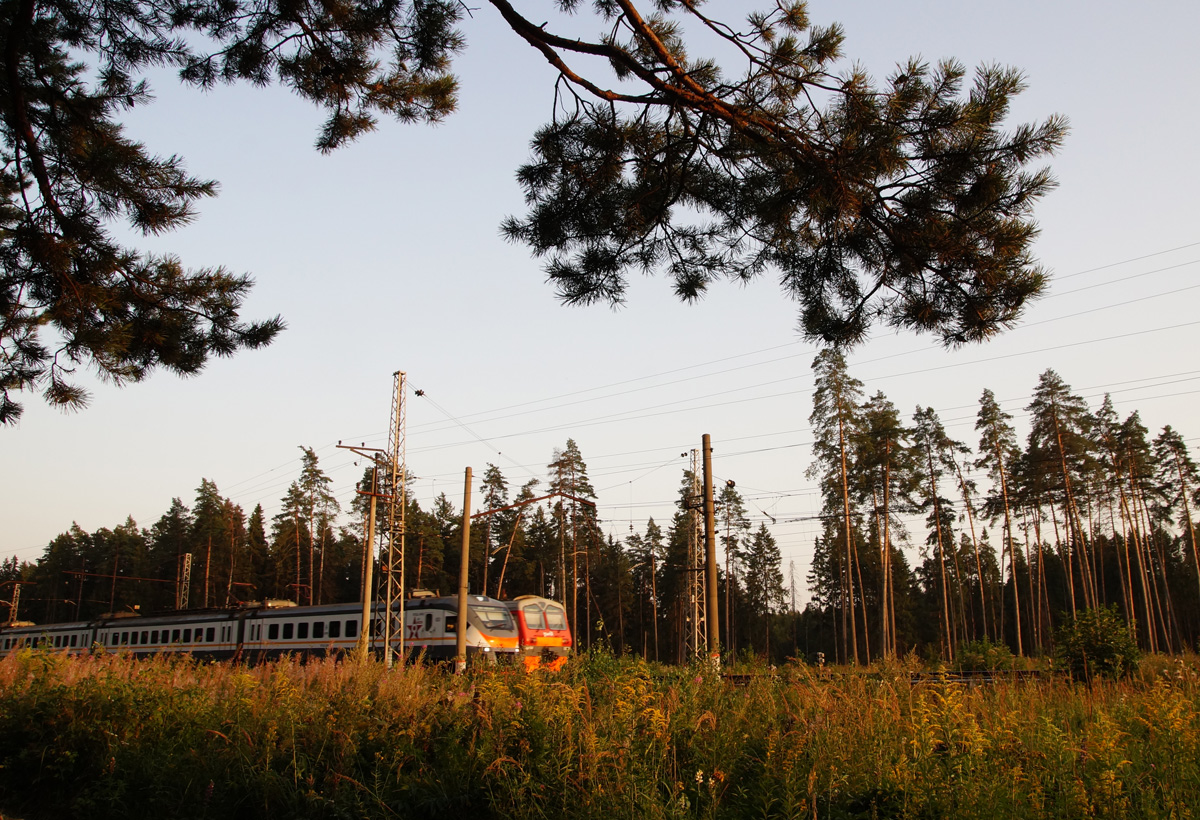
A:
(494, 617)
(555, 618)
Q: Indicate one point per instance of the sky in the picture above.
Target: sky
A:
(386, 256)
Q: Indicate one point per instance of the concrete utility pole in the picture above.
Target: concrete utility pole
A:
(460, 646)
(368, 574)
(364, 632)
(710, 554)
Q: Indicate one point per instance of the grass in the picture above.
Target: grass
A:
(109, 736)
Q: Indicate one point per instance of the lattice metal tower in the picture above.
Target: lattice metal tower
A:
(695, 633)
(185, 582)
(393, 622)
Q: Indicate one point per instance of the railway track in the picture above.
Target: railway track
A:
(970, 678)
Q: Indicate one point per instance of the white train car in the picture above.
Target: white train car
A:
(272, 629)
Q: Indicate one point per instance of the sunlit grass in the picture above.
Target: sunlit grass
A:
(110, 736)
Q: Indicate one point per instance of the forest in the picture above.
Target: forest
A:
(927, 545)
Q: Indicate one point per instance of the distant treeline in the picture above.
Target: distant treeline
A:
(1009, 541)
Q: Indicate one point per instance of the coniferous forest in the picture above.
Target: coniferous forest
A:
(927, 544)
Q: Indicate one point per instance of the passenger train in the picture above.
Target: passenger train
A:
(270, 629)
(544, 636)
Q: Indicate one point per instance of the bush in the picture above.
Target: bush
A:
(984, 656)
(1097, 644)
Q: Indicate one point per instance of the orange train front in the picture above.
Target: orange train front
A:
(543, 632)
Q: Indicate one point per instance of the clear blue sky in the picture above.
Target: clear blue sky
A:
(386, 256)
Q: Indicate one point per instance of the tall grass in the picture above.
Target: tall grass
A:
(110, 736)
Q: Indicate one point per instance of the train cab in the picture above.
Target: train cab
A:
(544, 634)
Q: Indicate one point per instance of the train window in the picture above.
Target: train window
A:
(133, 639)
(187, 636)
(318, 630)
(124, 639)
(73, 639)
(302, 631)
(452, 622)
(493, 617)
(273, 632)
(210, 634)
(534, 618)
(555, 618)
(174, 636)
(428, 621)
(351, 628)
(145, 637)
(154, 636)
(287, 631)
(335, 629)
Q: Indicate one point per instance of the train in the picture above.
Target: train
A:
(544, 636)
(270, 629)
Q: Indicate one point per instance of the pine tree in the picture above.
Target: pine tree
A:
(1104, 433)
(495, 495)
(320, 507)
(903, 202)
(885, 470)
(209, 538)
(1058, 450)
(646, 554)
(579, 532)
(997, 451)
(935, 447)
(289, 532)
(170, 540)
(1139, 474)
(764, 578)
(836, 420)
(258, 553)
(1173, 463)
(732, 526)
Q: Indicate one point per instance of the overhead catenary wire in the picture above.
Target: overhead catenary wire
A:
(264, 483)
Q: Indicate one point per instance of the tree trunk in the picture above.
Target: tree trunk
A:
(948, 651)
(1012, 563)
(849, 538)
(974, 546)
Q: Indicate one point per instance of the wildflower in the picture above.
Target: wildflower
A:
(698, 679)
(699, 776)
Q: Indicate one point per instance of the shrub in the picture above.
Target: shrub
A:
(984, 656)
(1097, 644)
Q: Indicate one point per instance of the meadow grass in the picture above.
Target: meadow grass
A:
(110, 736)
